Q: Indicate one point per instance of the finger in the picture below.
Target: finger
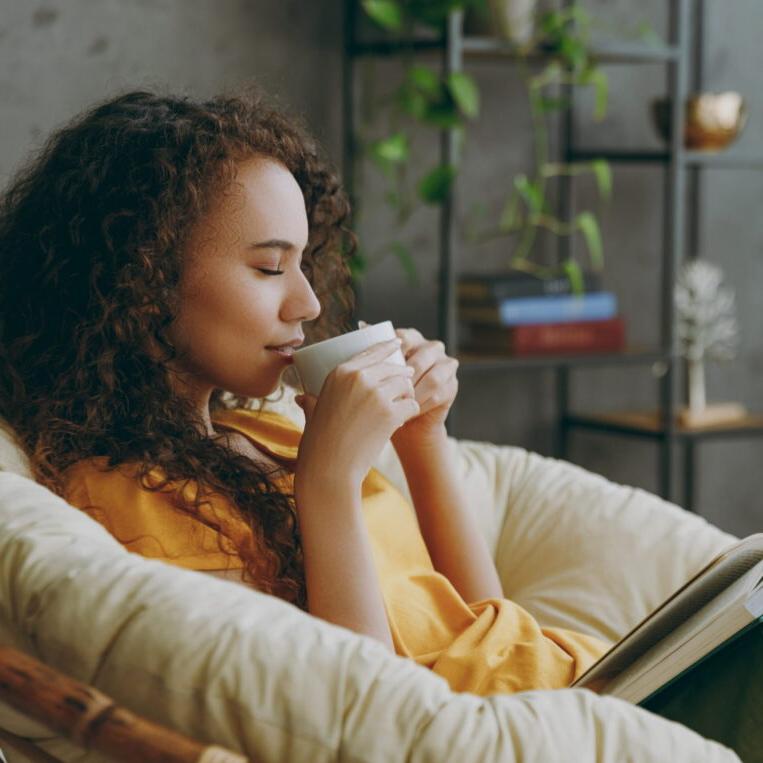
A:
(407, 408)
(383, 370)
(438, 385)
(440, 398)
(425, 357)
(373, 354)
(397, 387)
(411, 339)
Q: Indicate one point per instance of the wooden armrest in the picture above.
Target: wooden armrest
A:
(92, 720)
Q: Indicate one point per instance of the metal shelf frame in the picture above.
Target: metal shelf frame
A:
(683, 59)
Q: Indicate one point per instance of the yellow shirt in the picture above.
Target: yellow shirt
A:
(485, 647)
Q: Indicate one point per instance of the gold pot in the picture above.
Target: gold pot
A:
(713, 120)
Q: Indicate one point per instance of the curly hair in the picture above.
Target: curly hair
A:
(92, 230)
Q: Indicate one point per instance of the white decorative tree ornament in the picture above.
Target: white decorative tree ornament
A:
(707, 329)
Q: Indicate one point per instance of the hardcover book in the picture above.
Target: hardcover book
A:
(600, 305)
(698, 658)
(482, 287)
(546, 338)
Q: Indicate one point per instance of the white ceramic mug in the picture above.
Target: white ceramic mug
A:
(316, 361)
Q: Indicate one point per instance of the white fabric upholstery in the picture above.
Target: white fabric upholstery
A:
(226, 664)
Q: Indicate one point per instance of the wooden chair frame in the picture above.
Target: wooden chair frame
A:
(91, 719)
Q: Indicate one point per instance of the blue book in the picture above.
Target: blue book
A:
(563, 308)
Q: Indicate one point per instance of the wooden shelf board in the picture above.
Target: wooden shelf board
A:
(633, 355)
(649, 422)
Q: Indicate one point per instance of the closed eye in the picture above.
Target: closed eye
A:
(270, 272)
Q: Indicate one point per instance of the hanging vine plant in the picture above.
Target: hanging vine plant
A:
(426, 97)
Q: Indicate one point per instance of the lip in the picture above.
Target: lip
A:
(286, 352)
(293, 344)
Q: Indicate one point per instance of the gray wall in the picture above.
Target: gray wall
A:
(517, 407)
(57, 57)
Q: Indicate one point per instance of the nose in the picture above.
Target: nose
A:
(300, 303)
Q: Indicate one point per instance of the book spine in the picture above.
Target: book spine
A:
(481, 289)
(539, 339)
(531, 310)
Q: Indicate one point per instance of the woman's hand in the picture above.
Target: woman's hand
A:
(435, 387)
(362, 402)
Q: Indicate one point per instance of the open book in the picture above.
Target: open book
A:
(719, 604)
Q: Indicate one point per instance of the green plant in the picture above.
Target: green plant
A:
(425, 98)
(428, 98)
(564, 37)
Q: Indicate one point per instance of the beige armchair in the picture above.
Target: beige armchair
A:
(227, 665)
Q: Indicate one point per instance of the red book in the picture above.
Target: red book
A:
(548, 338)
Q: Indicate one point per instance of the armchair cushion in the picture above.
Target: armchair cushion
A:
(227, 664)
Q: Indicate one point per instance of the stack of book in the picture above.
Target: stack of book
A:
(521, 314)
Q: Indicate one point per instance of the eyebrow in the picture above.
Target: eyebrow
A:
(274, 243)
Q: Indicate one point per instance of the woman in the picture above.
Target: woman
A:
(159, 260)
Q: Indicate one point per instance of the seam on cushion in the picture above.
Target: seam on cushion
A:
(107, 650)
(195, 689)
(422, 729)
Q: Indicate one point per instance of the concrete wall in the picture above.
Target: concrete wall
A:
(57, 57)
(517, 407)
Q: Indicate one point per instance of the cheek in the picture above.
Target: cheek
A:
(221, 320)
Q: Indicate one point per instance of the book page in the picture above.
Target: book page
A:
(708, 583)
(693, 639)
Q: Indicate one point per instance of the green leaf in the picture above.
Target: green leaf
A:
(551, 23)
(404, 255)
(600, 83)
(413, 102)
(574, 53)
(603, 174)
(435, 186)
(547, 104)
(432, 12)
(465, 93)
(575, 275)
(391, 150)
(386, 13)
(586, 223)
(647, 34)
(530, 192)
(510, 215)
(443, 115)
(552, 72)
(425, 80)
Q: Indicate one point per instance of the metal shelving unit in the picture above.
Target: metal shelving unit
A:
(681, 172)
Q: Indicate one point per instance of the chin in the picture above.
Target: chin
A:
(255, 392)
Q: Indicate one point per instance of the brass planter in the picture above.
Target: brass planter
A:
(713, 120)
